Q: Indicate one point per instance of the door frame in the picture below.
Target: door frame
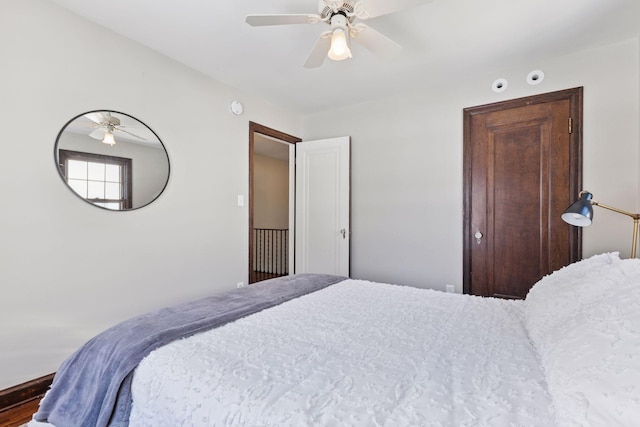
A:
(273, 133)
(575, 97)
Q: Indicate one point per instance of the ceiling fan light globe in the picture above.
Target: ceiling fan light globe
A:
(339, 46)
(108, 139)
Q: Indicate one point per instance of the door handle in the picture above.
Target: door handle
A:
(478, 236)
(344, 233)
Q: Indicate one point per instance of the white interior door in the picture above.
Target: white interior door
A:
(322, 206)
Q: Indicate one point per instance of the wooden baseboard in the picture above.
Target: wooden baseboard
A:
(19, 403)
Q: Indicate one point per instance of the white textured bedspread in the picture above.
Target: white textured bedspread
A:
(357, 354)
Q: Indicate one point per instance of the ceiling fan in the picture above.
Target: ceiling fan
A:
(106, 125)
(342, 16)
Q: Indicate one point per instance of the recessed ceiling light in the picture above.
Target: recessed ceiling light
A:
(500, 85)
(535, 77)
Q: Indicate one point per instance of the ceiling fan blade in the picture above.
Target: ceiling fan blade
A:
(98, 133)
(367, 9)
(319, 51)
(378, 44)
(96, 117)
(262, 20)
(119, 129)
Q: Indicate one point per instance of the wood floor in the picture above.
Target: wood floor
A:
(19, 403)
(20, 414)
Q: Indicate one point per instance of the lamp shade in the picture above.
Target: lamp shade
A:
(580, 213)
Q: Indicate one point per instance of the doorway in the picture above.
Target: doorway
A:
(522, 168)
(270, 202)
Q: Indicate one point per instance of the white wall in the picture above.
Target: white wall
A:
(407, 162)
(69, 270)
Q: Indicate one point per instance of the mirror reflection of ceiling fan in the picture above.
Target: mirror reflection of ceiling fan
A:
(106, 125)
(342, 15)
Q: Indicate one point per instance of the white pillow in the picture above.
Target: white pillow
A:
(560, 295)
(591, 351)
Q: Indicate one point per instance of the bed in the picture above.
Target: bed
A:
(316, 350)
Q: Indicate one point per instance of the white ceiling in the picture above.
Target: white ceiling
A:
(443, 40)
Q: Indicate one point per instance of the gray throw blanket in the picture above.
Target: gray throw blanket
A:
(93, 386)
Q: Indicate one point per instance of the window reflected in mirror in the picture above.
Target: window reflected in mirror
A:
(102, 180)
(112, 160)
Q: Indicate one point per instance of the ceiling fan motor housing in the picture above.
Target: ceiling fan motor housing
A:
(345, 9)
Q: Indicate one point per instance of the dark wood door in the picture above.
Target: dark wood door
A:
(523, 167)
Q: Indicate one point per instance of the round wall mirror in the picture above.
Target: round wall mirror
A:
(112, 160)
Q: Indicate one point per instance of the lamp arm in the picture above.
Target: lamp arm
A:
(611, 208)
(635, 217)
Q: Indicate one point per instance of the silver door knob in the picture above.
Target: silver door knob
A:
(478, 236)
